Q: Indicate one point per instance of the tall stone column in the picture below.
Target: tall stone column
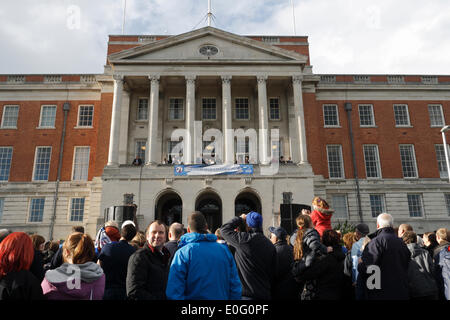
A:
(114, 135)
(227, 116)
(263, 120)
(152, 150)
(124, 117)
(188, 151)
(300, 117)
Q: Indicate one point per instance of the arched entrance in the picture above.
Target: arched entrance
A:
(169, 208)
(210, 204)
(245, 202)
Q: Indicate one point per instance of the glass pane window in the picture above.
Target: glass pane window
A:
(10, 115)
(366, 115)
(176, 111)
(42, 163)
(48, 115)
(436, 116)
(330, 115)
(401, 115)
(377, 204)
(242, 109)
(140, 149)
(209, 108)
(415, 205)
(340, 205)
(440, 156)
(77, 209)
(5, 162)
(81, 163)
(36, 210)
(85, 116)
(408, 160)
(335, 165)
(274, 105)
(372, 161)
(142, 112)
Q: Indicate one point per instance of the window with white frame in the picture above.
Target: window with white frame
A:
(142, 110)
(340, 206)
(42, 163)
(408, 159)
(436, 115)
(5, 162)
(415, 205)
(2, 205)
(274, 109)
(366, 118)
(377, 205)
(335, 163)
(48, 115)
(85, 116)
(330, 115)
(241, 107)
(209, 109)
(176, 110)
(139, 150)
(372, 161)
(36, 210)
(401, 115)
(241, 147)
(447, 202)
(10, 115)
(76, 209)
(440, 156)
(81, 163)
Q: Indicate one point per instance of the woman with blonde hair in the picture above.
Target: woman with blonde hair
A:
(78, 278)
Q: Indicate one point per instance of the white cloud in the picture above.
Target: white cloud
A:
(345, 36)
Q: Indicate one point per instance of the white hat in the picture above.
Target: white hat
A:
(127, 222)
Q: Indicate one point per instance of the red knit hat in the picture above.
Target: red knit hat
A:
(113, 233)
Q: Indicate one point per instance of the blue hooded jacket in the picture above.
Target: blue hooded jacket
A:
(203, 269)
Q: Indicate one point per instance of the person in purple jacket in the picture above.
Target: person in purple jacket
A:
(78, 278)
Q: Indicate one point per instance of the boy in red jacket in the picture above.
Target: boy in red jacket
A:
(321, 216)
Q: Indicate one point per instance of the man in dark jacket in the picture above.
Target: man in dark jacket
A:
(255, 255)
(175, 233)
(148, 268)
(285, 287)
(442, 240)
(385, 262)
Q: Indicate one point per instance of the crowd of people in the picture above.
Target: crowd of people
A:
(237, 262)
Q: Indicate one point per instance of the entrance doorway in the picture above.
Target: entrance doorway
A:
(245, 202)
(169, 208)
(210, 204)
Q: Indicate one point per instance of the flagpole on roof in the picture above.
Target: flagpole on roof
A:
(209, 13)
(293, 17)
(124, 11)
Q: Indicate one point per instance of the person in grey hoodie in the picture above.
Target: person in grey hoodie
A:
(78, 278)
(422, 285)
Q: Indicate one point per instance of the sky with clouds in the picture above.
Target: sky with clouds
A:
(345, 36)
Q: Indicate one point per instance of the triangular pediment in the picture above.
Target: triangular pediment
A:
(186, 47)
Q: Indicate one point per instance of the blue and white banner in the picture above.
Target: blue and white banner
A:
(204, 170)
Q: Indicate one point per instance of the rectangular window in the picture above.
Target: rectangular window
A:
(277, 149)
(408, 160)
(85, 116)
(2, 204)
(42, 163)
(36, 209)
(176, 111)
(401, 115)
(5, 162)
(77, 209)
(142, 111)
(209, 109)
(436, 115)
(372, 161)
(335, 164)
(377, 204)
(10, 115)
(175, 152)
(447, 202)
(48, 115)
(81, 163)
(242, 149)
(330, 115)
(366, 118)
(274, 105)
(241, 109)
(440, 156)
(415, 205)
(139, 150)
(340, 205)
